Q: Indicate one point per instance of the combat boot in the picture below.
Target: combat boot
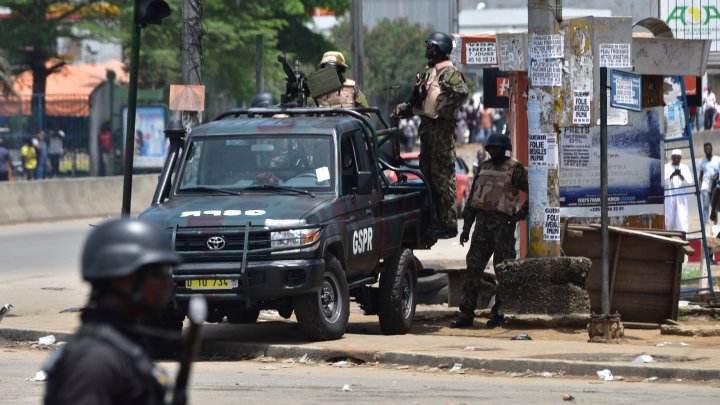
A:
(495, 321)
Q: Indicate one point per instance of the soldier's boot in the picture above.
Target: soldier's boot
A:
(461, 322)
(495, 320)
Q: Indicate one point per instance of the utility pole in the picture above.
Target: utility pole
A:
(259, 64)
(358, 45)
(543, 179)
(192, 55)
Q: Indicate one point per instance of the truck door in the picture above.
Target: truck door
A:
(362, 236)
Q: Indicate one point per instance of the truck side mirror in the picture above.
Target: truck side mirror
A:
(364, 183)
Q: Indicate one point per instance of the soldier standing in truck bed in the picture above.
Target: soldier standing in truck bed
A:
(349, 95)
(438, 94)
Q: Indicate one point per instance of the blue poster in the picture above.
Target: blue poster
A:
(634, 168)
(625, 90)
(150, 144)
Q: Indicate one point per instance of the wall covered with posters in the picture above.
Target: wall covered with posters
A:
(635, 166)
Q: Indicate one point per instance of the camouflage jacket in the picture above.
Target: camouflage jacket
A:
(519, 180)
(454, 92)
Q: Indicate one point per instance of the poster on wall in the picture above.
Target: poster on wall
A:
(634, 169)
(150, 143)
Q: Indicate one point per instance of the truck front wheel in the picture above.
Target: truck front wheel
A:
(398, 293)
(323, 315)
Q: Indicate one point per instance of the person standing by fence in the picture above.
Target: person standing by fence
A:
(6, 170)
(107, 150)
(55, 150)
(29, 158)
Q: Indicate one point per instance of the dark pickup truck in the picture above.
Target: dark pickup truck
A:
(289, 209)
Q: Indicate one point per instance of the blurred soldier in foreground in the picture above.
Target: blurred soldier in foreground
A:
(343, 94)
(493, 207)
(438, 94)
(128, 264)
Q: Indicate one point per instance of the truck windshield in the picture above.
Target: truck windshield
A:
(305, 162)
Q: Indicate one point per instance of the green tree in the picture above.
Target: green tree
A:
(29, 34)
(229, 32)
(5, 76)
(394, 52)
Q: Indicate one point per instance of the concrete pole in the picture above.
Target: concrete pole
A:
(542, 21)
(191, 54)
(358, 44)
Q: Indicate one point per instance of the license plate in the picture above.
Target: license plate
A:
(212, 284)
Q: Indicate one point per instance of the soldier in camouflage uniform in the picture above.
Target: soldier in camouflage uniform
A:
(438, 94)
(493, 205)
(349, 95)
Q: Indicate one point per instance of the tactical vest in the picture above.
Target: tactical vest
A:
(344, 97)
(493, 188)
(432, 87)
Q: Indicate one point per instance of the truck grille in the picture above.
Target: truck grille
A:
(221, 242)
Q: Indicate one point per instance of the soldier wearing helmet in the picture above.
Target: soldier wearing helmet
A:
(438, 94)
(493, 207)
(263, 100)
(127, 262)
(349, 95)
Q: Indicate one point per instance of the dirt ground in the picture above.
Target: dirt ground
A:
(434, 319)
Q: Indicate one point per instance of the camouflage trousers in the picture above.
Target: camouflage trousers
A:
(437, 164)
(494, 234)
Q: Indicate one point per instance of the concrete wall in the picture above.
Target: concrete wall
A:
(57, 199)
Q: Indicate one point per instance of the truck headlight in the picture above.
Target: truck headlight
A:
(294, 238)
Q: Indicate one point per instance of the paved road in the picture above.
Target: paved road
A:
(280, 382)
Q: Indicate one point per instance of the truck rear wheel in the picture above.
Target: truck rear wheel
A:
(323, 315)
(243, 316)
(398, 293)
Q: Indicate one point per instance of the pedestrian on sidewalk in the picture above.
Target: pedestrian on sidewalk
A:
(677, 178)
(128, 263)
(709, 167)
(493, 207)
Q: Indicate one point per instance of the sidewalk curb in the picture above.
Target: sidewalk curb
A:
(232, 350)
(520, 365)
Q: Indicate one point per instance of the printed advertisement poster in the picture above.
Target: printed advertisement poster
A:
(150, 143)
(634, 170)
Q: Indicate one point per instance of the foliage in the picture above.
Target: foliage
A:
(394, 52)
(230, 29)
(5, 76)
(29, 35)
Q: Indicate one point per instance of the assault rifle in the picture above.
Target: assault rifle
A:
(296, 90)
(197, 312)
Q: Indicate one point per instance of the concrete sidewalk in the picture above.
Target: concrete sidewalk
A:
(431, 344)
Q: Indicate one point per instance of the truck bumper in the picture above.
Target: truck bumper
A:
(263, 280)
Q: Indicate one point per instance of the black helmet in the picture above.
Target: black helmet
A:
(442, 40)
(120, 247)
(498, 140)
(263, 100)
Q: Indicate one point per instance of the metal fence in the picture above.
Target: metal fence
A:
(68, 112)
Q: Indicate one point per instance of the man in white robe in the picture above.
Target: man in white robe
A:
(677, 177)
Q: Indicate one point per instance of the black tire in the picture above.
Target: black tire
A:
(431, 283)
(434, 297)
(398, 293)
(323, 315)
(243, 316)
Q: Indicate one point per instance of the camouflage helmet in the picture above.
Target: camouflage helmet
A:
(332, 58)
(442, 40)
(263, 100)
(120, 247)
(499, 140)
